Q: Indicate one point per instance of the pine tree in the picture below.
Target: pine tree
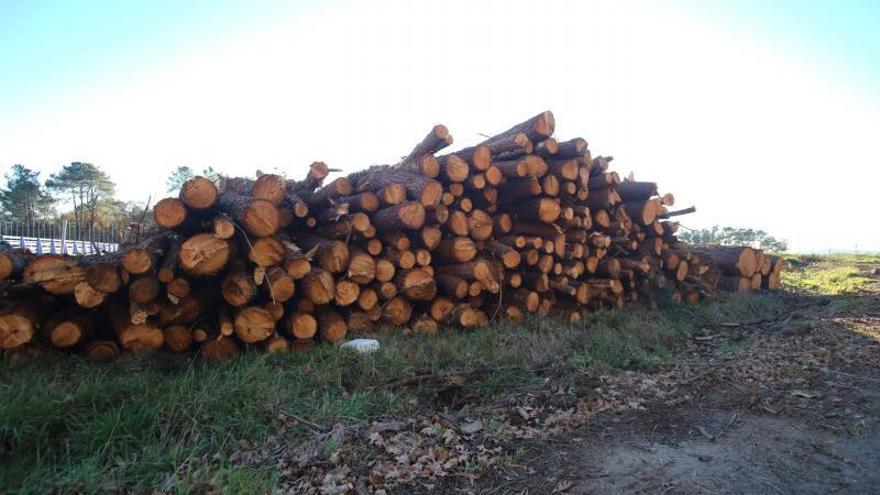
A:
(24, 198)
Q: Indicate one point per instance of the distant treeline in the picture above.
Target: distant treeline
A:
(730, 236)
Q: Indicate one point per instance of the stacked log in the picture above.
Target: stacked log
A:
(519, 223)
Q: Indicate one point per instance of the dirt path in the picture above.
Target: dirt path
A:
(794, 408)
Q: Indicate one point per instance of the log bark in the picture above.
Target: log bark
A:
(537, 128)
(406, 216)
(332, 256)
(145, 256)
(167, 270)
(12, 262)
(435, 141)
(453, 168)
(632, 191)
(546, 210)
(258, 217)
(732, 260)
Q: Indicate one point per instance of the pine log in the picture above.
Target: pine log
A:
(368, 298)
(100, 351)
(347, 292)
(478, 269)
(20, 321)
(546, 210)
(732, 260)
(271, 187)
(319, 286)
(145, 256)
(632, 191)
(467, 317)
(332, 256)
(135, 337)
(537, 128)
(509, 256)
(480, 225)
(204, 254)
(425, 325)
(564, 168)
(435, 141)
(573, 148)
(546, 148)
(302, 325)
(326, 195)
(397, 311)
(451, 285)
(199, 193)
(87, 297)
(455, 250)
(173, 214)
(56, 274)
(402, 259)
(179, 287)
(167, 269)
(254, 324)
(365, 202)
(416, 285)
(431, 236)
(331, 326)
(144, 289)
(221, 349)
(103, 275)
(279, 285)
(257, 216)
(223, 227)
(178, 338)
(406, 216)
(384, 270)
(644, 212)
(453, 168)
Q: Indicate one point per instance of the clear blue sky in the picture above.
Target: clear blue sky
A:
(54, 46)
(140, 87)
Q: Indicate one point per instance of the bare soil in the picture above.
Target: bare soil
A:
(793, 409)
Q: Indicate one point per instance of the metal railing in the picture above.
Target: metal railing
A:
(43, 237)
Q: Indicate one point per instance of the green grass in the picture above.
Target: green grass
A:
(828, 275)
(153, 421)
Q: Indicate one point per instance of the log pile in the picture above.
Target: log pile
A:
(520, 223)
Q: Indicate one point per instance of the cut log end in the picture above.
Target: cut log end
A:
(204, 254)
(199, 193)
(261, 218)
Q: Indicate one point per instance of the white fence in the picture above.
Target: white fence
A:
(59, 237)
(39, 245)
